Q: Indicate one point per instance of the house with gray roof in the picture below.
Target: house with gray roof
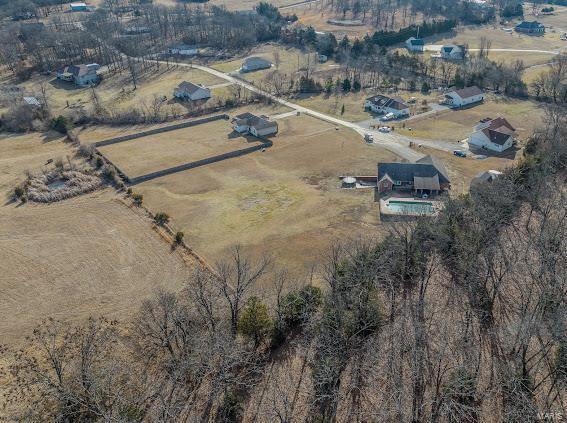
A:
(259, 126)
(189, 91)
(532, 28)
(453, 52)
(81, 75)
(383, 104)
(415, 44)
(425, 176)
(255, 63)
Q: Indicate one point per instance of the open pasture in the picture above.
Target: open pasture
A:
(152, 153)
(286, 201)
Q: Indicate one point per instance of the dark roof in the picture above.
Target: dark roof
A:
(424, 168)
(77, 70)
(468, 92)
(486, 176)
(392, 103)
(530, 25)
(258, 122)
(502, 125)
(257, 60)
(426, 182)
(189, 87)
(416, 41)
(496, 137)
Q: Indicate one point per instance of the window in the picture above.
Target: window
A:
(397, 182)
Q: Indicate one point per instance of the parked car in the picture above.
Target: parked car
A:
(368, 138)
(460, 153)
(388, 116)
(385, 129)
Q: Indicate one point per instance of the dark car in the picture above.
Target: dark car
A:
(460, 153)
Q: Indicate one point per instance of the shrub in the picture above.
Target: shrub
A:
(161, 218)
(231, 408)
(129, 192)
(425, 88)
(19, 192)
(59, 124)
(179, 237)
(86, 150)
(109, 173)
(255, 322)
(99, 162)
(138, 199)
(298, 306)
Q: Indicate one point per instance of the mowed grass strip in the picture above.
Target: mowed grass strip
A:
(169, 149)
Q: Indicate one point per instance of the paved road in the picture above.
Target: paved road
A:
(437, 48)
(395, 143)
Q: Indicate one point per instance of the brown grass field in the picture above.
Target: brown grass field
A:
(117, 92)
(157, 152)
(88, 255)
(456, 125)
(286, 201)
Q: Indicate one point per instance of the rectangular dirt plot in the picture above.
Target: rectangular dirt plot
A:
(153, 153)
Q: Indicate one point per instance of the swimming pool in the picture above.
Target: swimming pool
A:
(412, 208)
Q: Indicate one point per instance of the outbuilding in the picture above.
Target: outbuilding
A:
(415, 44)
(255, 63)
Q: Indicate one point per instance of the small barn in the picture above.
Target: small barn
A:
(255, 63)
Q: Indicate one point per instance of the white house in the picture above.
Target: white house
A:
(183, 50)
(464, 96)
(493, 134)
(189, 91)
(255, 63)
(415, 44)
(453, 52)
(259, 126)
(382, 104)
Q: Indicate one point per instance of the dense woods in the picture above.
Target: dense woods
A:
(456, 319)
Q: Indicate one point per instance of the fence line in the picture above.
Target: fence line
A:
(265, 143)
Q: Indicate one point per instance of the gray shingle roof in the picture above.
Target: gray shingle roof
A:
(424, 168)
(188, 87)
(468, 92)
(383, 101)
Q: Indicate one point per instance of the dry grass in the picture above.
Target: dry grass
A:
(286, 201)
(462, 170)
(116, 91)
(94, 133)
(87, 255)
(161, 151)
(291, 62)
(456, 125)
(472, 35)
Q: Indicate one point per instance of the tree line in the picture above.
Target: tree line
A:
(459, 318)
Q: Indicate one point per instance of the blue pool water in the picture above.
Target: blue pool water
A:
(411, 208)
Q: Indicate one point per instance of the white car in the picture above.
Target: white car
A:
(388, 116)
(385, 129)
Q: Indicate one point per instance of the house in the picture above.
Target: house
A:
(32, 101)
(493, 134)
(415, 44)
(259, 126)
(189, 91)
(183, 50)
(453, 52)
(255, 63)
(425, 176)
(81, 75)
(382, 104)
(464, 96)
(534, 27)
(79, 7)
